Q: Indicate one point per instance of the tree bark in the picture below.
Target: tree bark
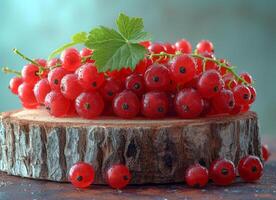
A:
(36, 145)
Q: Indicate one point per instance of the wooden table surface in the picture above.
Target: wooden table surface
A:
(16, 188)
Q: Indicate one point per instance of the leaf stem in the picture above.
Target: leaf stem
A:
(7, 70)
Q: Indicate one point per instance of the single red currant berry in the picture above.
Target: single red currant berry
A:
(157, 77)
(30, 74)
(247, 77)
(209, 64)
(250, 168)
(242, 95)
(229, 82)
(196, 176)
(224, 102)
(54, 62)
(265, 152)
(145, 44)
(188, 103)
(26, 95)
(169, 48)
(184, 46)
(43, 64)
(70, 86)
(41, 89)
(14, 84)
(118, 176)
(71, 59)
(157, 48)
(223, 70)
(222, 172)
(210, 84)
(183, 69)
(89, 78)
(87, 53)
(89, 105)
(56, 104)
(81, 175)
(110, 89)
(205, 46)
(253, 94)
(126, 104)
(155, 104)
(136, 83)
(55, 76)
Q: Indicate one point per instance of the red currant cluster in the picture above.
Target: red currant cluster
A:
(171, 80)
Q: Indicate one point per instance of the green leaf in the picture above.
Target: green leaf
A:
(118, 49)
(80, 37)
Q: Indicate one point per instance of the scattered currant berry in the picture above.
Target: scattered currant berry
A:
(26, 95)
(14, 84)
(54, 62)
(71, 59)
(110, 89)
(56, 104)
(136, 83)
(89, 105)
(30, 74)
(222, 172)
(250, 168)
(197, 176)
(55, 76)
(169, 48)
(229, 82)
(145, 44)
(265, 152)
(126, 104)
(157, 77)
(70, 86)
(41, 89)
(157, 48)
(87, 53)
(224, 102)
(183, 69)
(247, 77)
(155, 104)
(118, 176)
(210, 84)
(183, 46)
(242, 95)
(253, 94)
(205, 46)
(81, 175)
(188, 103)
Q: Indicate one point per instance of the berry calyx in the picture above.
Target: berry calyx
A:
(41, 89)
(71, 59)
(56, 104)
(14, 84)
(136, 83)
(110, 89)
(81, 175)
(250, 168)
(196, 176)
(265, 152)
(118, 176)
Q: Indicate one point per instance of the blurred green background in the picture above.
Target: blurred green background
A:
(243, 31)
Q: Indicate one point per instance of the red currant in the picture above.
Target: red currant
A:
(142, 66)
(43, 64)
(89, 105)
(85, 52)
(253, 94)
(247, 77)
(242, 95)
(207, 107)
(110, 88)
(209, 64)
(71, 59)
(157, 48)
(41, 89)
(265, 152)
(223, 70)
(26, 95)
(14, 84)
(157, 77)
(56, 104)
(196, 176)
(183, 46)
(155, 104)
(126, 104)
(169, 48)
(222, 172)
(136, 83)
(145, 44)
(72, 110)
(55, 76)
(118, 176)
(250, 168)
(224, 102)
(230, 82)
(82, 175)
(205, 46)
(70, 86)
(188, 103)
(30, 74)
(54, 62)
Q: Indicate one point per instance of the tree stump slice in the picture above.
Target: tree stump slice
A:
(36, 145)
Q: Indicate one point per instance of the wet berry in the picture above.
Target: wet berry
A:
(56, 104)
(205, 46)
(30, 74)
(14, 84)
(197, 176)
(242, 95)
(157, 77)
(71, 59)
(118, 176)
(250, 168)
(183, 46)
(136, 83)
(55, 76)
(222, 172)
(224, 102)
(70, 86)
(110, 89)
(41, 89)
(81, 175)
(26, 95)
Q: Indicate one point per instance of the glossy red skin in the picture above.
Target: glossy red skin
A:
(30, 74)
(70, 86)
(157, 48)
(43, 63)
(253, 94)
(210, 84)
(223, 71)
(188, 103)
(142, 66)
(110, 89)
(41, 89)
(145, 44)
(229, 82)
(197, 176)
(130, 99)
(183, 69)
(53, 62)
(71, 59)
(265, 152)
(247, 77)
(26, 95)
(82, 175)
(218, 176)
(250, 168)
(89, 78)
(205, 46)
(242, 95)
(155, 105)
(136, 83)
(169, 48)
(56, 104)
(209, 65)
(157, 78)
(55, 76)
(118, 176)
(184, 46)
(14, 84)
(89, 105)
(224, 102)
(87, 52)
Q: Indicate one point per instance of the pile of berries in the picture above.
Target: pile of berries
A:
(170, 81)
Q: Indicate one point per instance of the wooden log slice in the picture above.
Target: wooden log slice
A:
(36, 145)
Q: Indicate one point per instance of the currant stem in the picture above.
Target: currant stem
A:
(7, 70)
(26, 58)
